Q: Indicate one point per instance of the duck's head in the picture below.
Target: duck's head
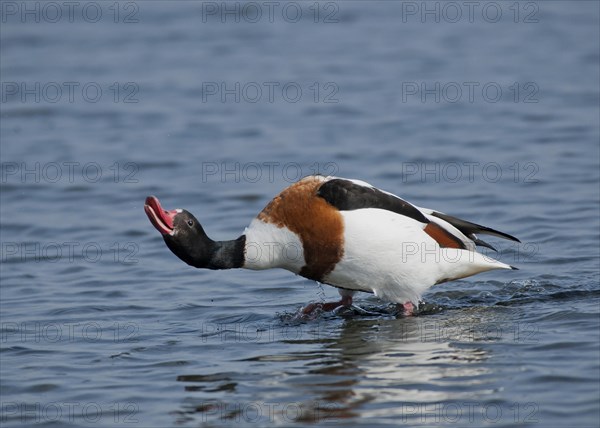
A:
(182, 233)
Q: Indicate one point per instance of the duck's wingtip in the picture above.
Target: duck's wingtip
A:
(514, 267)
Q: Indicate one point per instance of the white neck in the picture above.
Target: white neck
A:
(269, 246)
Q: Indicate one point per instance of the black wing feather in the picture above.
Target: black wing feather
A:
(470, 229)
(347, 196)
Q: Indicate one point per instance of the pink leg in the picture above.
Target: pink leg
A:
(408, 308)
(329, 306)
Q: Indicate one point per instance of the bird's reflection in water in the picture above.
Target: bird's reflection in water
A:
(403, 361)
(356, 367)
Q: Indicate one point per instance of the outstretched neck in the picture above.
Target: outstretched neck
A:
(202, 252)
(226, 254)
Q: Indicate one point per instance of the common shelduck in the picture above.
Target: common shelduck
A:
(341, 232)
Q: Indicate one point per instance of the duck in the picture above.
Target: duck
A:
(341, 232)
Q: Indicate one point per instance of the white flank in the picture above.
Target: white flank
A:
(391, 256)
(269, 246)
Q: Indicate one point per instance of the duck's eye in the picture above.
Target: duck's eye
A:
(190, 223)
